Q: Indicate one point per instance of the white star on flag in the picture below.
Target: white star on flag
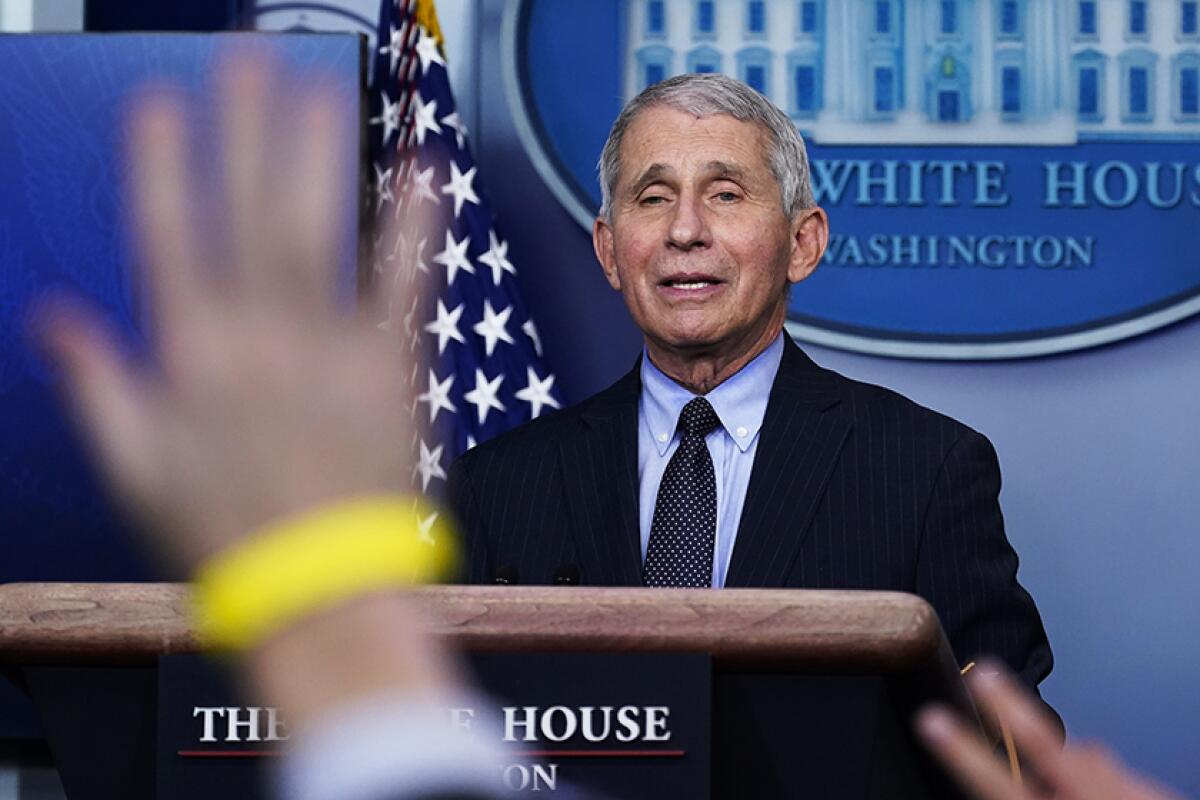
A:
(460, 187)
(455, 124)
(491, 328)
(496, 257)
(410, 320)
(438, 395)
(483, 396)
(430, 465)
(531, 331)
(409, 250)
(454, 257)
(537, 393)
(383, 187)
(427, 51)
(424, 526)
(394, 48)
(389, 117)
(433, 181)
(446, 325)
(423, 185)
(424, 117)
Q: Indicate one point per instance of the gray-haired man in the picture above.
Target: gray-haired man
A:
(726, 457)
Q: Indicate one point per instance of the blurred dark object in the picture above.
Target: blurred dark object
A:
(154, 15)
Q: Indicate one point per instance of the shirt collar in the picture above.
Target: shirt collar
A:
(740, 401)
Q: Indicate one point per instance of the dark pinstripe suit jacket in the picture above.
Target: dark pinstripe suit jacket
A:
(853, 486)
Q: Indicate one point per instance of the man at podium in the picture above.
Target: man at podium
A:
(175, 451)
(727, 457)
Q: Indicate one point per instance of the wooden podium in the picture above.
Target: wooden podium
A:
(812, 690)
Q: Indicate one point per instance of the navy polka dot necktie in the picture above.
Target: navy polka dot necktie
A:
(684, 529)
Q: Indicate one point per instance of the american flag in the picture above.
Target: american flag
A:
(482, 371)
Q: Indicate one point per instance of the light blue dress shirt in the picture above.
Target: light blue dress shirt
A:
(741, 403)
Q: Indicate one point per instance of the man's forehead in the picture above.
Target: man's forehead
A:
(714, 169)
(653, 144)
(659, 121)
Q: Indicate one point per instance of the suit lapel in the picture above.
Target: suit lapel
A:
(599, 466)
(799, 443)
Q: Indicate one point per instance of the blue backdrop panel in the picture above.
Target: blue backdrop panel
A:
(61, 172)
(62, 101)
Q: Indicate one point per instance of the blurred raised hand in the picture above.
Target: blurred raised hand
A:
(265, 396)
(1074, 772)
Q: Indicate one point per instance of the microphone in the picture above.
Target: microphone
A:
(567, 575)
(505, 576)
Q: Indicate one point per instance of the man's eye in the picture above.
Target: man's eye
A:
(653, 200)
(726, 197)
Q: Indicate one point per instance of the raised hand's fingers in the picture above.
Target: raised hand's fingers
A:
(1034, 732)
(318, 168)
(163, 214)
(245, 149)
(112, 403)
(967, 757)
(406, 236)
(1087, 773)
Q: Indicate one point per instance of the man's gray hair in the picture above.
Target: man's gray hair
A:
(705, 96)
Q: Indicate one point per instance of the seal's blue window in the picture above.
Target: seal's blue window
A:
(754, 68)
(884, 89)
(1189, 91)
(804, 86)
(1010, 91)
(1010, 20)
(704, 59)
(656, 17)
(704, 16)
(756, 78)
(806, 89)
(1137, 17)
(1089, 96)
(1187, 18)
(1138, 68)
(1138, 96)
(1087, 17)
(756, 16)
(949, 16)
(883, 16)
(808, 16)
(655, 63)
(948, 106)
(1088, 71)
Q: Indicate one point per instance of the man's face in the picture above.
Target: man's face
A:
(698, 243)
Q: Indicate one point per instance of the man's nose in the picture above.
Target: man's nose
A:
(688, 228)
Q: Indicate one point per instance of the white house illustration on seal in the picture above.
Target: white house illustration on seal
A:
(939, 71)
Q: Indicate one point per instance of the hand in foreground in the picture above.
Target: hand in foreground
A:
(1087, 772)
(266, 398)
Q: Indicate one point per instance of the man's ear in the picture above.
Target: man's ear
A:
(602, 243)
(810, 235)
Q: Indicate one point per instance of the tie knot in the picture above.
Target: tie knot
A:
(698, 418)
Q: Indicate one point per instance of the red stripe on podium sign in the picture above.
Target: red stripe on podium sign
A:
(527, 753)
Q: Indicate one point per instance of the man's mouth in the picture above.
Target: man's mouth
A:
(690, 282)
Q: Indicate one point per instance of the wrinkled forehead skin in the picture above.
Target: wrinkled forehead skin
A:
(641, 137)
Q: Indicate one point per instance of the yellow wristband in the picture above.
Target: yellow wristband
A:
(295, 567)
